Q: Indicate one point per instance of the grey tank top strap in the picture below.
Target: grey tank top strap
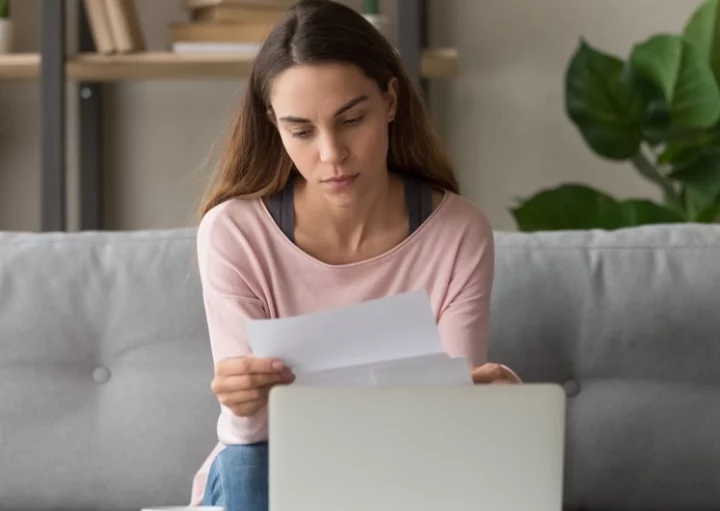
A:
(282, 209)
(418, 200)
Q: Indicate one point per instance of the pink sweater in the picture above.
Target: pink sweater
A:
(250, 269)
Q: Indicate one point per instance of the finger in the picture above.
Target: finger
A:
(488, 373)
(238, 397)
(247, 381)
(248, 408)
(265, 365)
(242, 397)
(244, 365)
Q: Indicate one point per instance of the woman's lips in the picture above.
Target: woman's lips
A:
(340, 182)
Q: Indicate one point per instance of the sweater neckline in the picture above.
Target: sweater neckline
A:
(293, 247)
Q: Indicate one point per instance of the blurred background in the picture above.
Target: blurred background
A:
(501, 115)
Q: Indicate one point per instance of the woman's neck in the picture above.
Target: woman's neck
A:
(356, 228)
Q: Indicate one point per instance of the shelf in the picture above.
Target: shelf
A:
(436, 63)
(157, 66)
(19, 66)
(440, 63)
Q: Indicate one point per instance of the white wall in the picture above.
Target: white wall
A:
(502, 118)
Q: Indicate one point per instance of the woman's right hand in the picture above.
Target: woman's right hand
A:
(242, 384)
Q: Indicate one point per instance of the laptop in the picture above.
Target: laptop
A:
(482, 447)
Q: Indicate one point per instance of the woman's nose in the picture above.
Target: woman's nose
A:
(332, 149)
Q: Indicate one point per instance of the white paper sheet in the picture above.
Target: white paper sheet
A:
(430, 370)
(359, 345)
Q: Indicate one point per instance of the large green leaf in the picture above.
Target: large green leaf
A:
(680, 71)
(703, 30)
(682, 149)
(573, 207)
(603, 104)
(676, 153)
(636, 212)
(709, 215)
(659, 129)
(701, 178)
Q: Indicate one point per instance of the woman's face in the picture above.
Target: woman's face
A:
(333, 122)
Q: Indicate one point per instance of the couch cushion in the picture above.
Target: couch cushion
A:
(105, 364)
(104, 370)
(628, 321)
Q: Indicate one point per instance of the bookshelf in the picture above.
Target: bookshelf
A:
(90, 69)
(159, 65)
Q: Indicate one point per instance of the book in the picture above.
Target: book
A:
(216, 48)
(248, 14)
(220, 32)
(99, 24)
(197, 4)
(125, 26)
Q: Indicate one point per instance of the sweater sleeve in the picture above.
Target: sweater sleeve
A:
(464, 320)
(229, 301)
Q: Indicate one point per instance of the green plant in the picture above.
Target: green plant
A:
(370, 7)
(660, 111)
(4, 9)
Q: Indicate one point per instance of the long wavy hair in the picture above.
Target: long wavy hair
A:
(253, 162)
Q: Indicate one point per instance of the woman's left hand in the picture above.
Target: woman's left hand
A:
(494, 374)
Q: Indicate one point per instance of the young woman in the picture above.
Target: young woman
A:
(332, 189)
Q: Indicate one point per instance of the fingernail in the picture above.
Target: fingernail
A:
(277, 365)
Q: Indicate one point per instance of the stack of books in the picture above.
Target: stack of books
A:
(115, 26)
(235, 26)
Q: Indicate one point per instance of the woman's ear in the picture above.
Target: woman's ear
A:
(271, 116)
(391, 97)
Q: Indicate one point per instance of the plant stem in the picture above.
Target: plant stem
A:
(649, 171)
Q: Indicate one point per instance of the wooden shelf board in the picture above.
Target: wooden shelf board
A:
(436, 63)
(19, 66)
(158, 66)
(440, 63)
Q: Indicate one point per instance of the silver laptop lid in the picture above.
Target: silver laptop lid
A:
(498, 448)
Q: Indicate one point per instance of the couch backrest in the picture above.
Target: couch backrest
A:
(104, 370)
(628, 322)
(105, 365)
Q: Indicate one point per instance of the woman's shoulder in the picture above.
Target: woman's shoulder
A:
(230, 221)
(459, 232)
(459, 215)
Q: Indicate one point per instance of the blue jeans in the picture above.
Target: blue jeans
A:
(238, 478)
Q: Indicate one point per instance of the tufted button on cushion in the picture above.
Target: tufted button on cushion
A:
(101, 374)
(122, 335)
(572, 388)
(629, 319)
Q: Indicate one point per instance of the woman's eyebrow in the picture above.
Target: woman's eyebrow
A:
(347, 106)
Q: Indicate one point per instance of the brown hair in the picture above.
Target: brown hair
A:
(253, 162)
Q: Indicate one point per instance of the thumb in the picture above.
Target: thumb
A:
(489, 373)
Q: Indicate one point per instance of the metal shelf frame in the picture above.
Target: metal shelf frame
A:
(412, 38)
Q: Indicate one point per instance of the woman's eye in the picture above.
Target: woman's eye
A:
(354, 120)
(301, 134)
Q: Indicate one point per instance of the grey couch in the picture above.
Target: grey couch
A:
(105, 365)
